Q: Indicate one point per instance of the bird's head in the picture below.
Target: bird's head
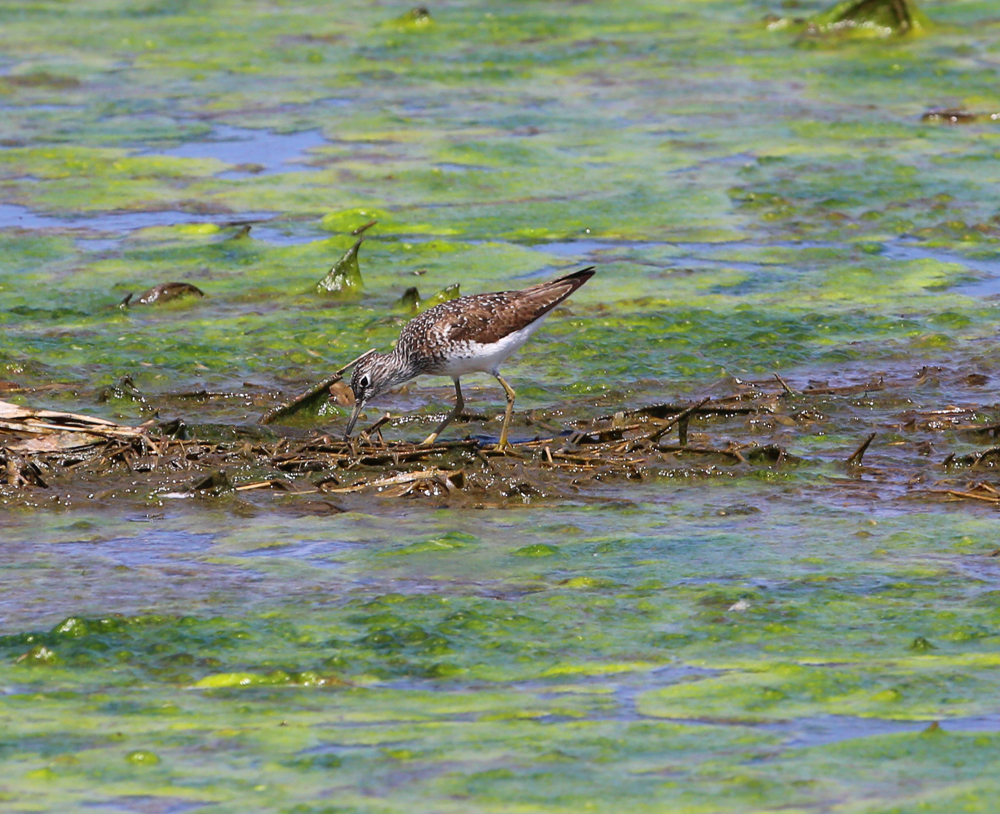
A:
(373, 375)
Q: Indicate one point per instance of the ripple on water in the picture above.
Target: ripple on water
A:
(45, 108)
(152, 547)
(448, 166)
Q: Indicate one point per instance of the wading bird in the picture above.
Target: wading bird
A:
(468, 335)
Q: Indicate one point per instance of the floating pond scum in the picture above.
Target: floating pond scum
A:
(743, 554)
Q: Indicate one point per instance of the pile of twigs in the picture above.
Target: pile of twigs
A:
(37, 444)
(48, 450)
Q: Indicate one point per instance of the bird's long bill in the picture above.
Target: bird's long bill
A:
(358, 407)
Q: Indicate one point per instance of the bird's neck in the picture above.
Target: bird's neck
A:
(400, 367)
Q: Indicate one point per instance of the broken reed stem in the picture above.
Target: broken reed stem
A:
(859, 453)
(967, 495)
(974, 491)
(377, 426)
(682, 430)
(682, 416)
(405, 477)
(784, 386)
(364, 227)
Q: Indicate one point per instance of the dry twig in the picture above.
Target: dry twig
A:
(665, 428)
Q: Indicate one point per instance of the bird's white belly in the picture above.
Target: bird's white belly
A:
(475, 357)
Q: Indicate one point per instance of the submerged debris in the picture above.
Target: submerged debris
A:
(444, 295)
(312, 397)
(123, 390)
(18, 472)
(214, 483)
(418, 17)
(742, 434)
(34, 431)
(987, 459)
(163, 292)
(364, 227)
(953, 115)
(29, 439)
(556, 464)
(870, 18)
(857, 457)
(974, 491)
(412, 303)
(857, 19)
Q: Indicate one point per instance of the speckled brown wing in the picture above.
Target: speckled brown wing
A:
(488, 318)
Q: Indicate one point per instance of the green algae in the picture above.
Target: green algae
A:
(536, 550)
(801, 691)
(453, 541)
(142, 757)
(525, 696)
(389, 223)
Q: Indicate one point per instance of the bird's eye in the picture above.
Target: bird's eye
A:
(363, 381)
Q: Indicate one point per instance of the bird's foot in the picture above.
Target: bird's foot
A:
(505, 448)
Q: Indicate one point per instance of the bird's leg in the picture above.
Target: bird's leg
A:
(459, 406)
(502, 444)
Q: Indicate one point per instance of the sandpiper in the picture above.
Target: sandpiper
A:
(468, 335)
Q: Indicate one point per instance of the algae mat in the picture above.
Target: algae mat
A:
(760, 194)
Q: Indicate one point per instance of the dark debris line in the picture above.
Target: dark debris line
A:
(48, 452)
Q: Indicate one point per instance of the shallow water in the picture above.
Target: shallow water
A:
(715, 636)
(455, 652)
(270, 152)
(20, 217)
